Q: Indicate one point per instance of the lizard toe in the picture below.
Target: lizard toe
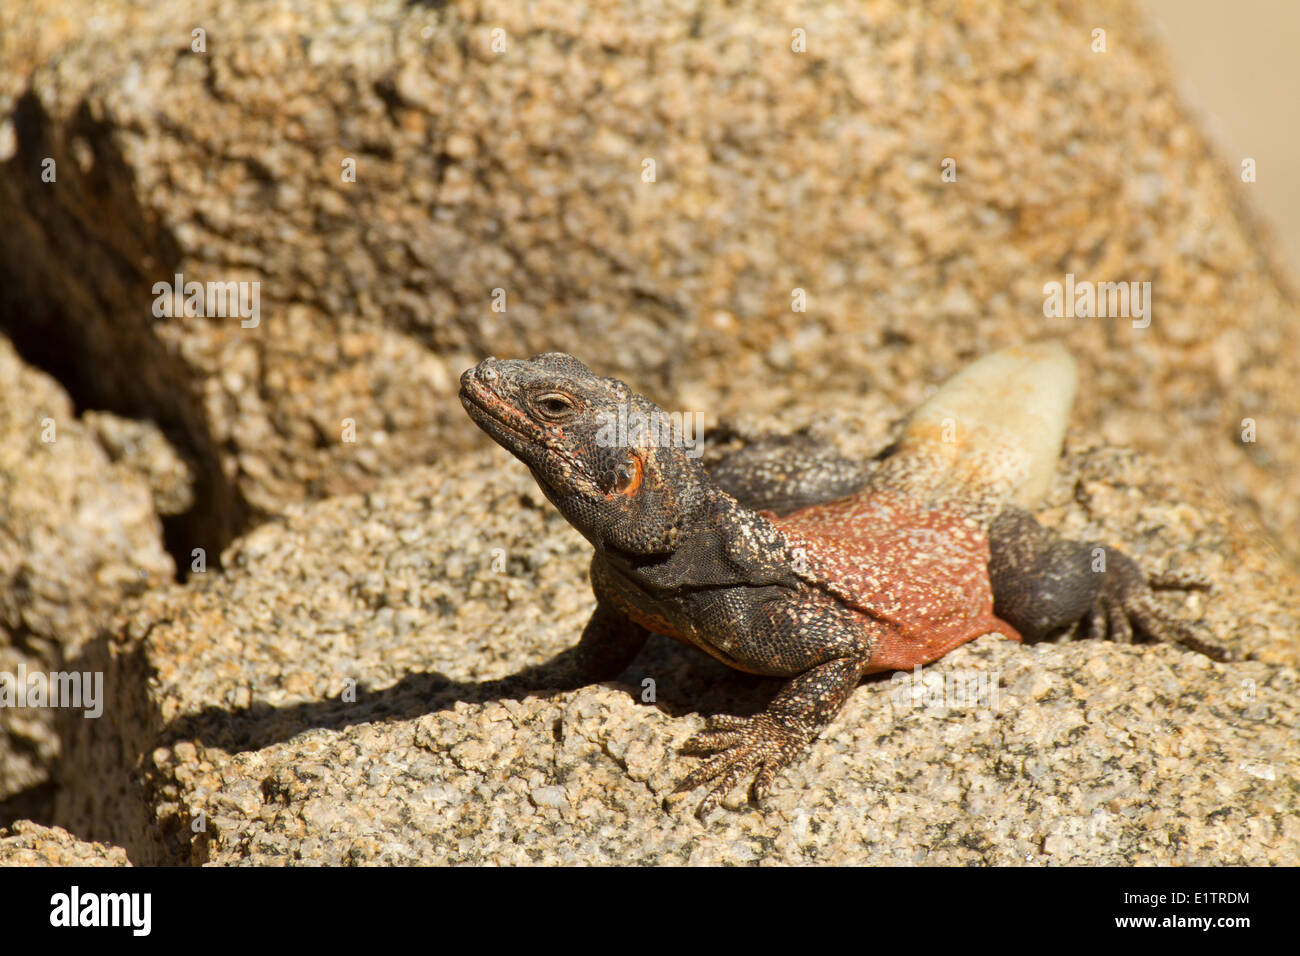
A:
(1129, 607)
(726, 722)
(1162, 627)
(763, 743)
(710, 741)
(705, 772)
(1095, 628)
(764, 779)
(743, 764)
(1121, 631)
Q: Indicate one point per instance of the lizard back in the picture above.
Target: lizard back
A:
(920, 574)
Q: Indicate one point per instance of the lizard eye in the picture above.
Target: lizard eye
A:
(627, 476)
(553, 405)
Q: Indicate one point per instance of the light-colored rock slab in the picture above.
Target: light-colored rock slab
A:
(30, 844)
(240, 748)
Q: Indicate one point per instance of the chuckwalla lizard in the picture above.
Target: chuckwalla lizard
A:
(790, 562)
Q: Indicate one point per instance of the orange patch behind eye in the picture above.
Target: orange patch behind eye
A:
(632, 484)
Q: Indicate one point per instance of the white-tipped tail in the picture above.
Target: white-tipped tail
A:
(992, 434)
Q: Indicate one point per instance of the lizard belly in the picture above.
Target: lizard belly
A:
(921, 575)
(900, 650)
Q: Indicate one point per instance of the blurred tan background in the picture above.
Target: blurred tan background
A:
(1237, 65)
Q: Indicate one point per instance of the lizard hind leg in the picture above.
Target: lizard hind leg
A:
(783, 473)
(1041, 583)
(1044, 584)
(761, 746)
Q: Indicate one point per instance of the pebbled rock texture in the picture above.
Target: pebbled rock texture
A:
(444, 578)
(320, 699)
(30, 844)
(78, 534)
(522, 167)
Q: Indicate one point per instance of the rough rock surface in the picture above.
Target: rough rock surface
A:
(78, 533)
(241, 747)
(521, 169)
(142, 447)
(30, 844)
(233, 734)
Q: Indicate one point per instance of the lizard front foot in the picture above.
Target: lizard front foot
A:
(1126, 603)
(762, 745)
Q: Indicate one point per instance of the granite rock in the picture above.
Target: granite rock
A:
(78, 534)
(245, 746)
(505, 146)
(30, 844)
(322, 698)
(142, 447)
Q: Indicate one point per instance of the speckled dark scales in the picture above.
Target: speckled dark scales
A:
(791, 563)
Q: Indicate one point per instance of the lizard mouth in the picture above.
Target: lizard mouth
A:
(504, 423)
(517, 433)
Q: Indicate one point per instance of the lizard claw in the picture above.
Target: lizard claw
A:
(1126, 604)
(762, 745)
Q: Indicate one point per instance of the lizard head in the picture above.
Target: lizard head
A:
(624, 483)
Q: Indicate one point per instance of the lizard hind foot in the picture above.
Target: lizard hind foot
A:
(1128, 603)
(1162, 626)
(735, 747)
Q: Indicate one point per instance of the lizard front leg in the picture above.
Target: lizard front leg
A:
(1043, 583)
(608, 643)
(784, 473)
(822, 648)
(768, 742)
